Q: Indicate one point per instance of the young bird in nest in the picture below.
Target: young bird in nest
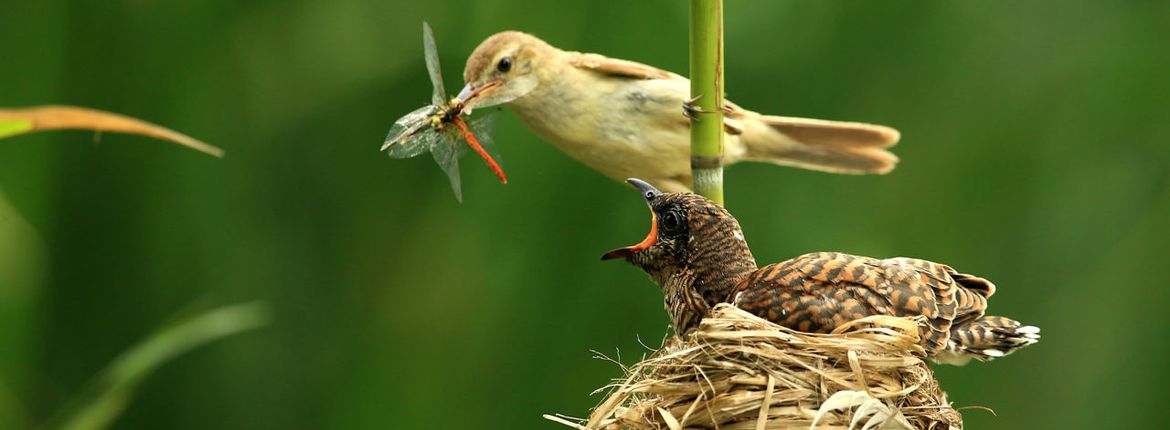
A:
(625, 119)
(697, 255)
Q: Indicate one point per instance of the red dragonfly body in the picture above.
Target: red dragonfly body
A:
(469, 137)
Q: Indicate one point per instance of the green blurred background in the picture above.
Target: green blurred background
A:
(1035, 152)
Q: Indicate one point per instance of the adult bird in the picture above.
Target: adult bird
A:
(624, 119)
(697, 255)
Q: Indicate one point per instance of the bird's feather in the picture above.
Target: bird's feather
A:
(833, 133)
(820, 291)
(618, 68)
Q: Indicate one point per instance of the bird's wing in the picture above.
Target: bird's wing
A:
(971, 297)
(816, 292)
(820, 291)
(835, 146)
(922, 288)
(975, 284)
(910, 278)
(732, 114)
(619, 68)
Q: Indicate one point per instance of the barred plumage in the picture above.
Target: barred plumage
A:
(706, 261)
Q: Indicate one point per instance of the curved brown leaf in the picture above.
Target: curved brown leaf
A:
(28, 120)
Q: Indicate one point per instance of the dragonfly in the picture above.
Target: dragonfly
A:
(439, 128)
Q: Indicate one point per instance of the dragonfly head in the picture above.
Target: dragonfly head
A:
(455, 104)
(503, 68)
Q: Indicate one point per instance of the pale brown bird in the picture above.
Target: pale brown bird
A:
(697, 255)
(624, 119)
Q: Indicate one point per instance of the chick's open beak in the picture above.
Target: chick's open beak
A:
(645, 243)
(649, 193)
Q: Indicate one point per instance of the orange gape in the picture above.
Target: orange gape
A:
(474, 144)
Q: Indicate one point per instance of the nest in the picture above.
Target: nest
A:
(738, 371)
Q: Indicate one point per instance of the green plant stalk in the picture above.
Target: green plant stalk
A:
(707, 95)
(104, 399)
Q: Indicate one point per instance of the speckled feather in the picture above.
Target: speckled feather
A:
(818, 292)
(711, 263)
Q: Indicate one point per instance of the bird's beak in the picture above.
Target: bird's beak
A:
(649, 193)
(472, 95)
(466, 92)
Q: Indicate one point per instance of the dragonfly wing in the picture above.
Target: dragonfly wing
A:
(431, 53)
(403, 139)
(446, 152)
(475, 141)
(482, 128)
(415, 145)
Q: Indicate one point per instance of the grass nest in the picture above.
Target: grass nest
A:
(738, 371)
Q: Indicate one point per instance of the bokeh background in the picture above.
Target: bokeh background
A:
(1035, 152)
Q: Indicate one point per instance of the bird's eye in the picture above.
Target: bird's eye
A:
(673, 223)
(504, 65)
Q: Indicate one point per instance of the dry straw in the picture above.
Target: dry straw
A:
(737, 371)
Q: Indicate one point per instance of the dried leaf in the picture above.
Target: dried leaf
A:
(880, 414)
(28, 120)
(671, 422)
(762, 420)
(561, 420)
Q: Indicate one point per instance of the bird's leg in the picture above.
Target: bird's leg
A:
(690, 110)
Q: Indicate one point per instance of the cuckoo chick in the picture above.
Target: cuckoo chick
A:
(697, 254)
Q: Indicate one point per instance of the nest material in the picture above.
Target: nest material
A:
(738, 371)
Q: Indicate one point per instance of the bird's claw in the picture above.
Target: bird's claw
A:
(691, 111)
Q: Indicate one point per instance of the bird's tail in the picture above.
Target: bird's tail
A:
(987, 338)
(830, 146)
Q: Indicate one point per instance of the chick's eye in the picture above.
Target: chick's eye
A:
(504, 65)
(672, 222)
